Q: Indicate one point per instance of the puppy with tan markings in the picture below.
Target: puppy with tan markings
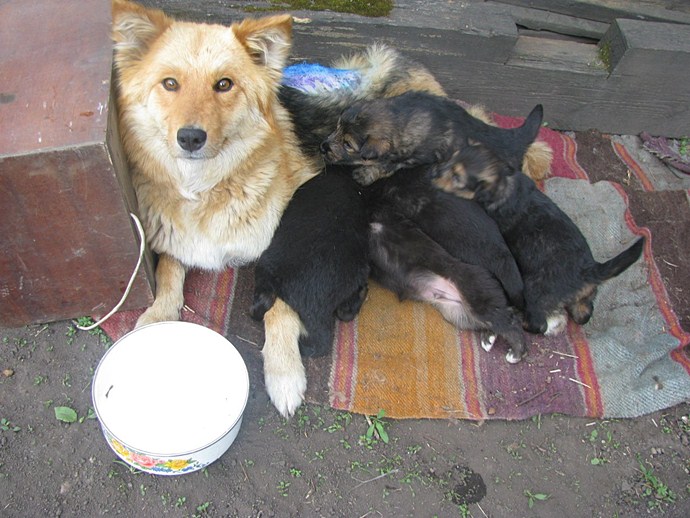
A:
(382, 136)
(560, 274)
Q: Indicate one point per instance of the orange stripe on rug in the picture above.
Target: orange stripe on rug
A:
(585, 371)
(633, 166)
(469, 369)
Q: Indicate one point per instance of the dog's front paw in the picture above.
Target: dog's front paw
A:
(285, 387)
(158, 313)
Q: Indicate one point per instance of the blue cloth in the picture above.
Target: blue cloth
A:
(314, 78)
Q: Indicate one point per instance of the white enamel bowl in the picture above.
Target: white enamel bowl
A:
(170, 397)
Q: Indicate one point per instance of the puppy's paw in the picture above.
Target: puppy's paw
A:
(285, 387)
(513, 357)
(555, 324)
(487, 341)
(158, 313)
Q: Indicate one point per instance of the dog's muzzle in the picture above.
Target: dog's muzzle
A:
(191, 139)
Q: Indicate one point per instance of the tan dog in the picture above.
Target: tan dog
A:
(213, 157)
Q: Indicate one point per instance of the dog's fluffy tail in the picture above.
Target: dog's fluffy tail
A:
(382, 72)
(613, 267)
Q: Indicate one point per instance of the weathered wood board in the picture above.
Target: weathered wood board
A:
(481, 54)
(67, 244)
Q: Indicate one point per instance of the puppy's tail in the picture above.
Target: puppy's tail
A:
(613, 267)
(527, 133)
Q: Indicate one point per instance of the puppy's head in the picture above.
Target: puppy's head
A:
(192, 91)
(363, 136)
(472, 172)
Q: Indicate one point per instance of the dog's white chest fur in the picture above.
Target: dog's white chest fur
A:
(211, 241)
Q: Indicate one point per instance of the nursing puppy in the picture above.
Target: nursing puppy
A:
(460, 226)
(381, 136)
(559, 272)
(382, 73)
(317, 261)
(410, 263)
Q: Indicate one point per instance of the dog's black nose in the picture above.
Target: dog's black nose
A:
(325, 147)
(191, 139)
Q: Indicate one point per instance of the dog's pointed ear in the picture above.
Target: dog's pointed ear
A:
(134, 29)
(374, 149)
(268, 40)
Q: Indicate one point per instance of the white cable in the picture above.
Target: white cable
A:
(142, 247)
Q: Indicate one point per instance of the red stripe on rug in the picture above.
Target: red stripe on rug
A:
(344, 376)
(633, 166)
(222, 298)
(570, 158)
(658, 287)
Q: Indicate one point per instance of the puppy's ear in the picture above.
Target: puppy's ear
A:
(134, 29)
(374, 149)
(267, 40)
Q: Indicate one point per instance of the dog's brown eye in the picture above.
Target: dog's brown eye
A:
(223, 85)
(170, 84)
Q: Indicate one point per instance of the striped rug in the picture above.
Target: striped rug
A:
(631, 359)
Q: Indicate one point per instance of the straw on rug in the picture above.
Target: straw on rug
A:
(404, 358)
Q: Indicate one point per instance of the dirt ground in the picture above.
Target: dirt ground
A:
(320, 463)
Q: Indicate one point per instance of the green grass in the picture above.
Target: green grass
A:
(372, 8)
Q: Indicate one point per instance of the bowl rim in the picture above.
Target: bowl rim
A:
(168, 455)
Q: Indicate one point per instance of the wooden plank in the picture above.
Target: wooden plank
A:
(643, 49)
(608, 10)
(540, 20)
(67, 246)
(475, 51)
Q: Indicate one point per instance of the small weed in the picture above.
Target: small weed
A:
(181, 501)
(90, 414)
(534, 497)
(6, 426)
(142, 490)
(39, 380)
(201, 510)
(346, 445)
(248, 462)
(377, 427)
(65, 414)
(598, 461)
(165, 498)
(655, 488)
(320, 455)
(683, 146)
(283, 487)
(296, 473)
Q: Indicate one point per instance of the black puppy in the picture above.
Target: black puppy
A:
(317, 261)
(382, 136)
(407, 261)
(558, 270)
(460, 226)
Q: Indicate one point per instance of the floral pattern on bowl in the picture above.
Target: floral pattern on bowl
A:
(169, 466)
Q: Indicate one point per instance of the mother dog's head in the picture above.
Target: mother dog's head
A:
(190, 91)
